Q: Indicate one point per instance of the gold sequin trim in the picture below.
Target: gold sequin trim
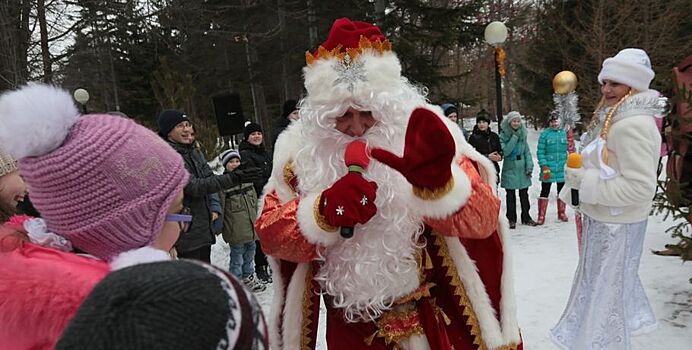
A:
(428, 194)
(289, 175)
(307, 310)
(460, 291)
(319, 218)
(363, 44)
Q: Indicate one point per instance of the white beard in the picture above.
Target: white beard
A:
(367, 273)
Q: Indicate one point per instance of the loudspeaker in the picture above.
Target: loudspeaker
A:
(229, 114)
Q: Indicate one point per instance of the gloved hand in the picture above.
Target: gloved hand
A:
(349, 201)
(545, 172)
(428, 152)
(573, 177)
(248, 174)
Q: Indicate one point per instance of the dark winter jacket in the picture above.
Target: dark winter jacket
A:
(214, 200)
(239, 213)
(486, 142)
(256, 156)
(517, 164)
(280, 124)
(200, 186)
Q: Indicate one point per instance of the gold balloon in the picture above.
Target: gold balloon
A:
(564, 82)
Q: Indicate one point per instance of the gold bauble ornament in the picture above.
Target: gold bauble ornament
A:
(564, 82)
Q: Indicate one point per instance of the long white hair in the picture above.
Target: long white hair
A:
(367, 273)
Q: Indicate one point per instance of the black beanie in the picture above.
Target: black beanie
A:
(449, 110)
(289, 107)
(167, 305)
(168, 119)
(250, 128)
(483, 116)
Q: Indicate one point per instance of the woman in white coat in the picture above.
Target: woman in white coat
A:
(616, 185)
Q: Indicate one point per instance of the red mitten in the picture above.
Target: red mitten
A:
(546, 173)
(428, 152)
(350, 201)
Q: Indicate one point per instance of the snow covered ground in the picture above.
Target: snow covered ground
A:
(545, 258)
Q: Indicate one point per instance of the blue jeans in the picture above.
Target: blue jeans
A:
(242, 259)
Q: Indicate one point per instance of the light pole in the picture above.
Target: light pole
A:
(495, 35)
(82, 96)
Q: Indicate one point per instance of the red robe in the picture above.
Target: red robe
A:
(465, 299)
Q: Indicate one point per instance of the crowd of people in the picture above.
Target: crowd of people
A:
(400, 234)
(511, 148)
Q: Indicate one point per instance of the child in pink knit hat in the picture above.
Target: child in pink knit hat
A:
(103, 184)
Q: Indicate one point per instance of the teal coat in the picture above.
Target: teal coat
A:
(239, 211)
(518, 163)
(552, 151)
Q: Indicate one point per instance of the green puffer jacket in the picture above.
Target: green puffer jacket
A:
(552, 151)
(518, 163)
(239, 211)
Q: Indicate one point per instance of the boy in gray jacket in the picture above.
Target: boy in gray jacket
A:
(239, 205)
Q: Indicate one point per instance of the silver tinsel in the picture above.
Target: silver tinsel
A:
(566, 109)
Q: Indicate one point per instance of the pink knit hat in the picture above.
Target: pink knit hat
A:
(103, 182)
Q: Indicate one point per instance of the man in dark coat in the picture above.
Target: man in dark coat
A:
(289, 113)
(253, 154)
(175, 127)
(485, 141)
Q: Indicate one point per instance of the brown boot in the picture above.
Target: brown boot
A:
(561, 211)
(542, 207)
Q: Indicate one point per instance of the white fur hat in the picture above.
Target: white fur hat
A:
(354, 62)
(631, 67)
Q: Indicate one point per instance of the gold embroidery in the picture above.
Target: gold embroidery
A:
(460, 291)
(379, 46)
(307, 309)
(395, 326)
(428, 194)
(320, 219)
(289, 175)
(422, 291)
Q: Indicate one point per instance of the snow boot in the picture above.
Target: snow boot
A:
(252, 284)
(561, 210)
(264, 274)
(542, 207)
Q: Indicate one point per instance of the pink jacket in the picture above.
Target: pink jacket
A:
(40, 291)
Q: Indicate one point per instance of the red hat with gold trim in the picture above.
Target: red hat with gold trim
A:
(355, 61)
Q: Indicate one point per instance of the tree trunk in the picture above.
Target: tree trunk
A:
(45, 52)
(312, 24)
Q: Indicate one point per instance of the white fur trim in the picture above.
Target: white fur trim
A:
(35, 119)
(138, 256)
(277, 303)
(450, 202)
(508, 304)
(382, 73)
(495, 333)
(292, 326)
(287, 145)
(475, 289)
(308, 226)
